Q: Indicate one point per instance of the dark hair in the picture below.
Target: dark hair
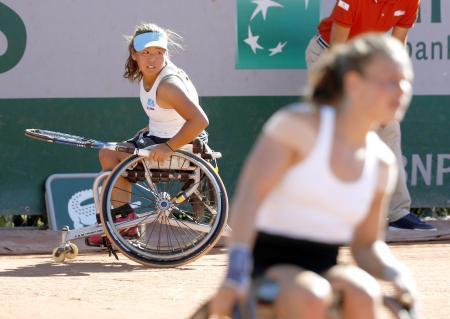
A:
(132, 72)
(326, 79)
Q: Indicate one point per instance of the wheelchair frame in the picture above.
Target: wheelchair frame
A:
(69, 250)
(259, 302)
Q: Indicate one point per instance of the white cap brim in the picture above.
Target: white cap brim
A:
(149, 39)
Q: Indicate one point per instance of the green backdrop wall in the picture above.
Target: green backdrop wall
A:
(234, 125)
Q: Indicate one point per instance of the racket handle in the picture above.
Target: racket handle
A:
(141, 152)
(126, 148)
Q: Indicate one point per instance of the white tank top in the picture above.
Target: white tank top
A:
(165, 123)
(311, 203)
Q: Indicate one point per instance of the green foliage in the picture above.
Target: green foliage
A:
(6, 222)
(13, 221)
(434, 212)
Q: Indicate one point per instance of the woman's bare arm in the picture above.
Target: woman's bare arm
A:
(368, 246)
(171, 95)
(339, 34)
(263, 169)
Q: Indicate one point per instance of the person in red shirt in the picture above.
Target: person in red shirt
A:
(353, 17)
(348, 19)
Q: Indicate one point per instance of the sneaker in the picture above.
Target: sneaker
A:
(96, 241)
(121, 214)
(411, 222)
(132, 232)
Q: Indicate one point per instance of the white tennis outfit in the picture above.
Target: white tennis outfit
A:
(310, 202)
(165, 123)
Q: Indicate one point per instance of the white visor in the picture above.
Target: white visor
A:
(149, 39)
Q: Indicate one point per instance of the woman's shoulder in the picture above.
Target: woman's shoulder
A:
(171, 70)
(295, 113)
(299, 108)
(292, 121)
(173, 75)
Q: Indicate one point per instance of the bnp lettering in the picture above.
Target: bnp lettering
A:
(430, 170)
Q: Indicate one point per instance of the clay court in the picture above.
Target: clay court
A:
(98, 286)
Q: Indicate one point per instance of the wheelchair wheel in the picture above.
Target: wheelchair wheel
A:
(179, 209)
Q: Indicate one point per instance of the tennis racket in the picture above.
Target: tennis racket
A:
(79, 141)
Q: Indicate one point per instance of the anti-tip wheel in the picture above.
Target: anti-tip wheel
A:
(59, 254)
(71, 251)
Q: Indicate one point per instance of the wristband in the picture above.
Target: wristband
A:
(390, 273)
(168, 145)
(240, 266)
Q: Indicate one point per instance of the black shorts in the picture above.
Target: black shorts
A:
(147, 140)
(271, 250)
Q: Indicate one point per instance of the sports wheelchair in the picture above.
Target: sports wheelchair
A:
(176, 212)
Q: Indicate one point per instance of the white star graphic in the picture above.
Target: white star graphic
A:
(252, 41)
(262, 6)
(277, 49)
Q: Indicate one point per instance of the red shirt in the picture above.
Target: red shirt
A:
(370, 16)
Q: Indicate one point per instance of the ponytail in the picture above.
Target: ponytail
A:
(326, 79)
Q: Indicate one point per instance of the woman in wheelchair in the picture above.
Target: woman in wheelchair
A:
(319, 178)
(170, 101)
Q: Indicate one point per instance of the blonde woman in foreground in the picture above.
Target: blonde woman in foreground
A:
(319, 178)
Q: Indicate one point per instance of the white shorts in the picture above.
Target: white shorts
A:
(314, 50)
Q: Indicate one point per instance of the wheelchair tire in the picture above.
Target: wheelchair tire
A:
(182, 205)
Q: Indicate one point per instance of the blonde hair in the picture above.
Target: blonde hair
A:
(326, 79)
(132, 71)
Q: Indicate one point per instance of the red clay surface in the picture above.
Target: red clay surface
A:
(97, 286)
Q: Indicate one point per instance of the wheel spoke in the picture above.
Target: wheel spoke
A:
(129, 192)
(148, 179)
(168, 232)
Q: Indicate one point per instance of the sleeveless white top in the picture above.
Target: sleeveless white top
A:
(165, 123)
(310, 202)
